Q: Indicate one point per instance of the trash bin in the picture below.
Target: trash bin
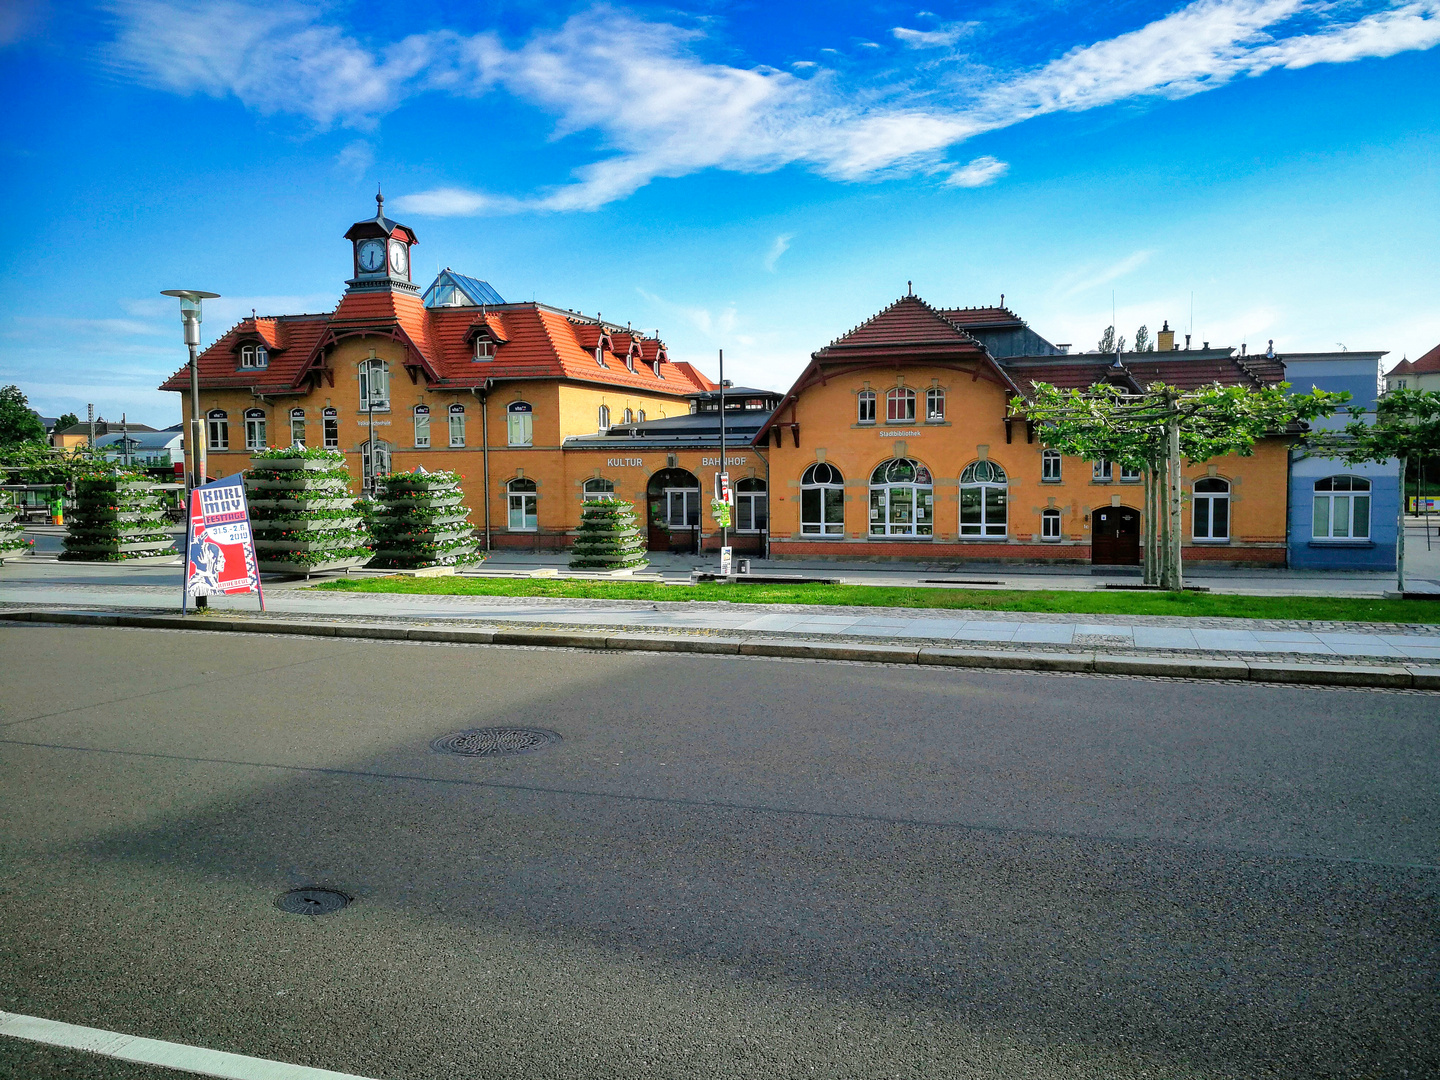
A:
(743, 567)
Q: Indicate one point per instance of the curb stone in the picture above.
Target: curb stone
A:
(1398, 677)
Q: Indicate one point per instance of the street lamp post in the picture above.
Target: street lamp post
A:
(190, 316)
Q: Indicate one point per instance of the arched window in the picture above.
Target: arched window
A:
(255, 429)
(984, 499)
(1050, 467)
(1210, 508)
(422, 427)
(822, 501)
(866, 406)
(262, 356)
(603, 417)
(935, 404)
(900, 405)
(457, 425)
(519, 423)
(1050, 526)
(642, 416)
(373, 463)
(902, 499)
(297, 428)
(599, 490)
(600, 354)
(484, 347)
(330, 421)
(247, 356)
(629, 416)
(752, 505)
(1342, 508)
(374, 385)
(217, 426)
(522, 497)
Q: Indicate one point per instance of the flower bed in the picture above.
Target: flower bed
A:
(115, 518)
(420, 522)
(304, 519)
(609, 538)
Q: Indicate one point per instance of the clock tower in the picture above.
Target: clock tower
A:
(381, 252)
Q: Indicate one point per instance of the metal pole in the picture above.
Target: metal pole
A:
(124, 440)
(485, 454)
(724, 529)
(369, 483)
(197, 465)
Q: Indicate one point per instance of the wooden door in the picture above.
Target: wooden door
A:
(1115, 536)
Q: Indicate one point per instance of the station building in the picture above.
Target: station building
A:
(897, 440)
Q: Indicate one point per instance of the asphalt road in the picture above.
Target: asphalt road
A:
(729, 867)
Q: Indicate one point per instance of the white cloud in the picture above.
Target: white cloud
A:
(778, 248)
(1092, 277)
(941, 37)
(356, 158)
(978, 173)
(660, 109)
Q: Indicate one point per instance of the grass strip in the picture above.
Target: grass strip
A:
(1211, 605)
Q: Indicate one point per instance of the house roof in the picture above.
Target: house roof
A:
(1184, 369)
(102, 427)
(991, 318)
(142, 440)
(534, 341)
(1421, 365)
(476, 291)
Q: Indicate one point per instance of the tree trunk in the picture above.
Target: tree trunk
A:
(1174, 578)
(1152, 568)
(1400, 536)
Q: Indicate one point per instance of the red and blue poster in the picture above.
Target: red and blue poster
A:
(221, 548)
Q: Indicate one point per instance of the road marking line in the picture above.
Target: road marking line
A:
(167, 1055)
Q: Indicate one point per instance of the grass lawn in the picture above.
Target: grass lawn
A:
(1079, 603)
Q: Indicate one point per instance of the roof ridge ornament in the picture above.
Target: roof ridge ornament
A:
(379, 204)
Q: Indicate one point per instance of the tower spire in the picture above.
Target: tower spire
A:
(379, 203)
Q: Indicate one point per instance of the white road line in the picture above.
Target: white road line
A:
(167, 1055)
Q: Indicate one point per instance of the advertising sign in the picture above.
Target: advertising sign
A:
(1429, 504)
(725, 562)
(722, 488)
(220, 546)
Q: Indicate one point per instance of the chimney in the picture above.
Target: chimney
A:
(1242, 348)
(1165, 340)
(1187, 342)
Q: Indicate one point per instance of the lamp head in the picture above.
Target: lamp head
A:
(190, 313)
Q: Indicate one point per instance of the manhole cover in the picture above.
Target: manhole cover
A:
(311, 901)
(495, 741)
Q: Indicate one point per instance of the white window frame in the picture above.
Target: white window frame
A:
(890, 494)
(900, 400)
(1050, 467)
(519, 424)
(1202, 511)
(752, 505)
(629, 416)
(255, 430)
(1129, 475)
(865, 404)
(641, 416)
(262, 356)
(934, 405)
(602, 417)
(374, 374)
(985, 477)
(687, 500)
(456, 415)
(422, 427)
(330, 421)
(1102, 471)
(247, 356)
(597, 489)
(522, 499)
(1334, 497)
(484, 348)
(297, 440)
(217, 430)
(827, 481)
(1050, 526)
(382, 464)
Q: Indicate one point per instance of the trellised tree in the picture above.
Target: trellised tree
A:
(1154, 430)
(1406, 425)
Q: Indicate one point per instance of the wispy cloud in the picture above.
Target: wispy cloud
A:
(778, 248)
(978, 173)
(1092, 277)
(662, 110)
(356, 158)
(942, 36)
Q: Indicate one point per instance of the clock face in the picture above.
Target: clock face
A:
(372, 255)
(398, 258)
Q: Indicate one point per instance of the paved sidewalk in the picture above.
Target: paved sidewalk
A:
(57, 586)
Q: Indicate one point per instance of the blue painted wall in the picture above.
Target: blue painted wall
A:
(1355, 372)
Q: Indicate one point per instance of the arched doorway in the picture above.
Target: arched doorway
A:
(673, 511)
(1115, 536)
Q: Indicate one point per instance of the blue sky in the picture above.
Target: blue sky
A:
(756, 177)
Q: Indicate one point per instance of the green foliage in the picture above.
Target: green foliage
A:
(609, 537)
(1407, 425)
(68, 419)
(1203, 605)
(116, 517)
(18, 422)
(300, 540)
(420, 522)
(1142, 340)
(38, 463)
(289, 453)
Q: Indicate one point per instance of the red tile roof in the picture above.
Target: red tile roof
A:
(533, 341)
(1422, 365)
(909, 324)
(982, 317)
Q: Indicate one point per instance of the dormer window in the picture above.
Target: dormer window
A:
(484, 348)
(254, 356)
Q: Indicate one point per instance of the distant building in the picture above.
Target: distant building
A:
(144, 449)
(79, 434)
(1421, 374)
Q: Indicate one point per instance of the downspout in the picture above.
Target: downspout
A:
(484, 396)
(1289, 483)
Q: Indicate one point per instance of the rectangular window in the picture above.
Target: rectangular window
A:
(1129, 475)
(219, 434)
(1050, 466)
(332, 433)
(752, 512)
(254, 433)
(523, 517)
(297, 431)
(682, 508)
(935, 404)
(374, 386)
(422, 430)
(867, 406)
(1050, 525)
(1101, 470)
(457, 429)
(521, 428)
